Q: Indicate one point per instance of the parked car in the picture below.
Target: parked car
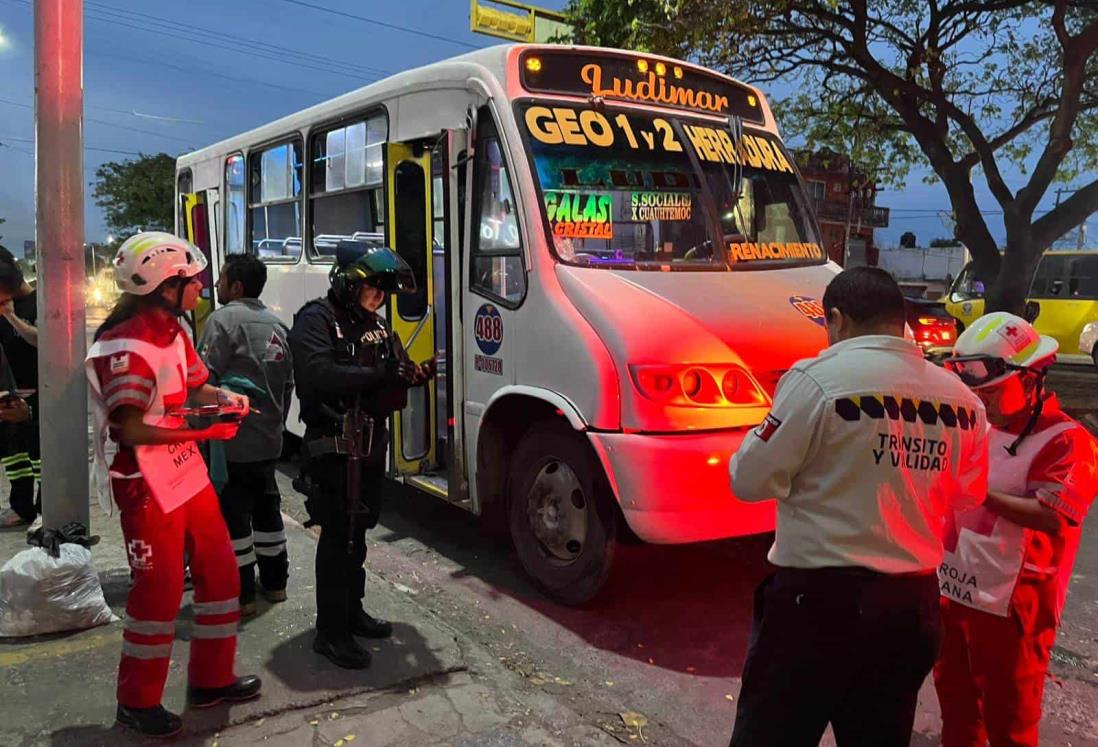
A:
(932, 328)
(1088, 342)
(1065, 285)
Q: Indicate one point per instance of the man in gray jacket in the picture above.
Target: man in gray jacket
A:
(245, 347)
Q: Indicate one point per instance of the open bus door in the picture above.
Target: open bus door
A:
(196, 215)
(409, 232)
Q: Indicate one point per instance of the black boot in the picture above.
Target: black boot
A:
(245, 688)
(152, 722)
(342, 651)
(369, 627)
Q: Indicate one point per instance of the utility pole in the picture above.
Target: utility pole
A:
(1081, 236)
(59, 207)
(849, 211)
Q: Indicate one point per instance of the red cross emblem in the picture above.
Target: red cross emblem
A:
(1011, 331)
(140, 553)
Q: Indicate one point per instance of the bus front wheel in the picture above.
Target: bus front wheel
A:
(562, 513)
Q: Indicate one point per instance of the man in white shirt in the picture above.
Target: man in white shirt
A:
(866, 449)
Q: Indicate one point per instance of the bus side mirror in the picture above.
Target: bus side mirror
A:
(1033, 310)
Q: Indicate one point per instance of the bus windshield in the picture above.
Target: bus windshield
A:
(630, 190)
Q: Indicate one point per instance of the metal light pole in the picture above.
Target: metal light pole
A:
(59, 205)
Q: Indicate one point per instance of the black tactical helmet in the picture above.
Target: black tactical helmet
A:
(359, 261)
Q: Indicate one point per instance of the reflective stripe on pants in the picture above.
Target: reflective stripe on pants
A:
(154, 546)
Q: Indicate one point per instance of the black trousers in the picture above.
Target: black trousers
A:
(251, 505)
(845, 646)
(341, 550)
(22, 461)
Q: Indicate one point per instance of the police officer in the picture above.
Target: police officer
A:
(866, 449)
(350, 369)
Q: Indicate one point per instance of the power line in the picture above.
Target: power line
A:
(113, 20)
(191, 70)
(231, 44)
(235, 39)
(111, 124)
(86, 147)
(207, 72)
(383, 24)
(24, 151)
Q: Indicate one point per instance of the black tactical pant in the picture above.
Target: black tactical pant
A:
(251, 505)
(22, 462)
(844, 646)
(341, 551)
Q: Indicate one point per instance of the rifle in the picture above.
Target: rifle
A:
(355, 421)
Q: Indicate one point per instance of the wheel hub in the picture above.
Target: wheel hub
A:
(557, 510)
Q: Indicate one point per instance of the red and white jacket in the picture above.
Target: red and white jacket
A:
(147, 362)
(986, 554)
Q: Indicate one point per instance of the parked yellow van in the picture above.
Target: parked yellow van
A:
(1065, 286)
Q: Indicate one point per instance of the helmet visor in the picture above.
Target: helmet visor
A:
(395, 281)
(980, 370)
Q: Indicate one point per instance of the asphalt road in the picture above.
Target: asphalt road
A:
(668, 635)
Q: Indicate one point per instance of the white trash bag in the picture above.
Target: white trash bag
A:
(42, 594)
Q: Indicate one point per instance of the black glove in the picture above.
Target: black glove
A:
(51, 540)
(400, 370)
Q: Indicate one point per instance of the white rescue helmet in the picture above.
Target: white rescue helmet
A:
(146, 260)
(997, 346)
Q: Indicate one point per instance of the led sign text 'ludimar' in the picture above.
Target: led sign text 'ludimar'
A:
(652, 90)
(562, 125)
(613, 77)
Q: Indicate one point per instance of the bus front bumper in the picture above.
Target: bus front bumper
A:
(674, 488)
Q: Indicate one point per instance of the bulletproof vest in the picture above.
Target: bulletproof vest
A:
(365, 339)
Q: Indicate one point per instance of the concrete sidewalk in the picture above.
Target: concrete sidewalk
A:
(425, 685)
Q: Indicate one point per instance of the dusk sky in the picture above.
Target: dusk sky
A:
(173, 77)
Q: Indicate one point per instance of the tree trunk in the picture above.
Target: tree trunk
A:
(1009, 290)
(986, 260)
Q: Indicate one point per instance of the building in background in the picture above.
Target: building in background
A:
(924, 271)
(843, 196)
(29, 252)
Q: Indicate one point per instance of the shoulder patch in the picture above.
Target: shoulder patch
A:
(768, 427)
(276, 349)
(120, 363)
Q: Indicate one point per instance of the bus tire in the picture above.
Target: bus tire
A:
(562, 514)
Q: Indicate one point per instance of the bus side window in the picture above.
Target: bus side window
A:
(235, 217)
(496, 254)
(275, 202)
(345, 195)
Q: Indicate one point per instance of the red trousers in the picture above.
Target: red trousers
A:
(991, 673)
(155, 543)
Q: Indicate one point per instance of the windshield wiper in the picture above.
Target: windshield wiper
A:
(735, 129)
(716, 229)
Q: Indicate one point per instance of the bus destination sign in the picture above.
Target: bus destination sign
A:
(636, 79)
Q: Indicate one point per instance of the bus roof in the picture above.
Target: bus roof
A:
(455, 71)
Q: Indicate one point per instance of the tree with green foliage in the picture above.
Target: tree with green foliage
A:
(967, 88)
(137, 194)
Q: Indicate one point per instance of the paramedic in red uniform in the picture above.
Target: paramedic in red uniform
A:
(867, 448)
(1007, 565)
(141, 366)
